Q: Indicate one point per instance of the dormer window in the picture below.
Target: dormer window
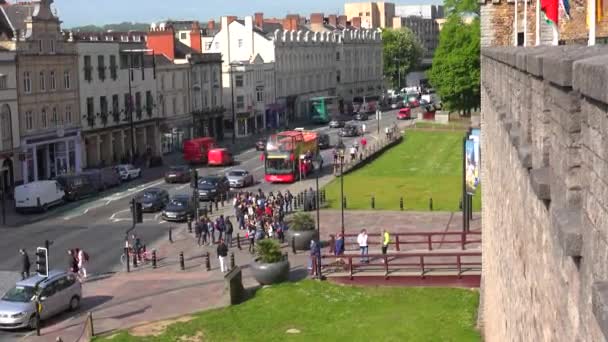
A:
(136, 38)
(124, 38)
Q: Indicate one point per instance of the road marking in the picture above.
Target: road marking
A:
(259, 167)
(181, 187)
(118, 212)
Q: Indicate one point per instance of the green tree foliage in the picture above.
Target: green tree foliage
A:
(460, 6)
(401, 53)
(122, 27)
(455, 71)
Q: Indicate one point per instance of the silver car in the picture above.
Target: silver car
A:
(239, 178)
(59, 292)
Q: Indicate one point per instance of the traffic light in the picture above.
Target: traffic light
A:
(193, 178)
(42, 261)
(137, 211)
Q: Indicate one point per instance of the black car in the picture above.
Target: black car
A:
(361, 117)
(324, 141)
(336, 123)
(77, 186)
(178, 174)
(350, 131)
(178, 209)
(153, 200)
(211, 188)
(260, 145)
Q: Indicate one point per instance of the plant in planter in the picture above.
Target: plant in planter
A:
(269, 266)
(302, 229)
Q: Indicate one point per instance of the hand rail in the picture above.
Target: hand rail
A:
(401, 240)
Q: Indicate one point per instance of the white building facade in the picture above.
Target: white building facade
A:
(173, 84)
(119, 116)
(10, 173)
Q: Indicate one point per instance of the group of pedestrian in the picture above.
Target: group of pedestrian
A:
(77, 262)
(209, 231)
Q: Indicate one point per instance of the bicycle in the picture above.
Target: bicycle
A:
(144, 256)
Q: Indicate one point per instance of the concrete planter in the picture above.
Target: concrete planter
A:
(268, 274)
(303, 238)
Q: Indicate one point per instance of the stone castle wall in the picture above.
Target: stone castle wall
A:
(545, 141)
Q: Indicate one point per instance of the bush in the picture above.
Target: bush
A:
(302, 222)
(268, 251)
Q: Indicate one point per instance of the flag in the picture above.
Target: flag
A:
(565, 5)
(551, 10)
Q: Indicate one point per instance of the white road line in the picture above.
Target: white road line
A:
(181, 187)
(259, 167)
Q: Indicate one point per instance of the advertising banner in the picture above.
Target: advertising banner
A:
(472, 166)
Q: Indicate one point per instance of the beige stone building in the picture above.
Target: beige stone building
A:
(10, 172)
(371, 14)
(47, 88)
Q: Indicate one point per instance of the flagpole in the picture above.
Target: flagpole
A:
(537, 25)
(515, 26)
(525, 22)
(592, 20)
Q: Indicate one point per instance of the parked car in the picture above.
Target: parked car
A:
(178, 209)
(104, 178)
(220, 157)
(212, 187)
(239, 178)
(58, 292)
(350, 131)
(361, 117)
(260, 145)
(336, 123)
(77, 186)
(178, 174)
(324, 141)
(39, 195)
(404, 114)
(153, 200)
(128, 172)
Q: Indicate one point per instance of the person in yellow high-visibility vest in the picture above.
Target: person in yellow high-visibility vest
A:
(385, 241)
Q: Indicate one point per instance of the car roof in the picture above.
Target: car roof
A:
(155, 190)
(32, 281)
(211, 177)
(181, 197)
(237, 170)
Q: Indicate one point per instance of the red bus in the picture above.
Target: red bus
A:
(284, 157)
(196, 150)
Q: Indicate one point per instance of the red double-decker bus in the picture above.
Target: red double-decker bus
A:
(285, 157)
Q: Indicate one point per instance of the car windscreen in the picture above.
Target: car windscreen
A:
(179, 203)
(150, 195)
(208, 181)
(236, 173)
(177, 169)
(21, 294)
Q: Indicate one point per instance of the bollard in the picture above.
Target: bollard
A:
(135, 256)
(431, 204)
(217, 204)
(401, 203)
(295, 202)
(373, 202)
(344, 202)
(238, 241)
(332, 243)
(210, 208)
(207, 262)
(182, 265)
(154, 258)
(232, 263)
(189, 223)
(293, 244)
(171, 234)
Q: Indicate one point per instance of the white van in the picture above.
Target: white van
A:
(38, 195)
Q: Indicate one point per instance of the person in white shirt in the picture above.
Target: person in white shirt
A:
(363, 128)
(82, 262)
(362, 241)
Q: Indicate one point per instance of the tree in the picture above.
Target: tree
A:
(401, 53)
(460, 7)
(455, 72)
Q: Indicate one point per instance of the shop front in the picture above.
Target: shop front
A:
(46, 157)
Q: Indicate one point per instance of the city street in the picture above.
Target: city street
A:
(99, 226)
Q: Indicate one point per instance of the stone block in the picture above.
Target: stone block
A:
(234, 285)
(515, 135)
(558, 68)
(568, 227)
(535, 61)
(525, 156)
(540, 180)
(591, 78)
(599, 301)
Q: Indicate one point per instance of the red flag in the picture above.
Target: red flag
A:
(551, 10)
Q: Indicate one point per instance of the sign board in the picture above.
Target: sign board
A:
(472, 165)
(378, 115)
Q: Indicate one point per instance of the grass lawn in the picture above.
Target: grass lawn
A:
(327, 312)
(426, 164)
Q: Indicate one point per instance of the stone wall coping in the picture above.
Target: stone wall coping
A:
(599, 300)
(590, 77)
(569, 230)
(558, 68)
(540, 179)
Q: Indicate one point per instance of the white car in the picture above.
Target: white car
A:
(128, 172)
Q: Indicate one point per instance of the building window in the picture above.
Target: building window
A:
(162, 82)
(52, 81)
(52, 45)
(240, 102)
(138, 110)
(127, 101)
(115, 108)
(54, 121)
(240, 43)
(205, 76)
(239, 81)
(88, 69)
(113, 67)
(40, 49)
(213, 99)
(173, 86)
(29, 120)
(337, 56)
(43, 118)
(68, 114)
(101, 67)
(174, 105)
(205, 100)
(367, 14)
(3, 84)
(42, 82)
(91, 111)
(149, 103)
(207, 46)
(338, 76)
(183, 35)
(66, 79)
(260, 94)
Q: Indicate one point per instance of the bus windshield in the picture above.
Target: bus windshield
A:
(279, 166)
(280, 143)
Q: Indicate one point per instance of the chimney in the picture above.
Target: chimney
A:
(229, 20)
(259, 19)
(356, 22)
(333, 20)
(291, 22)
(162, 41)
(316, 18)
(211, 25)
(195, 37)
(342, 20)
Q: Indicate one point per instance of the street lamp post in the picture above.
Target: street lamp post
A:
(318, 164)
(341, 151)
